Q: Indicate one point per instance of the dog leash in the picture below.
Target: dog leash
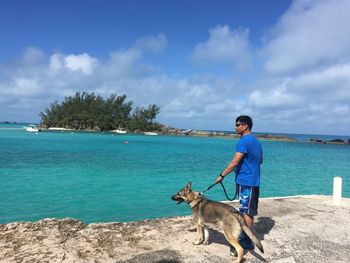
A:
(210, 187)
(223, 187)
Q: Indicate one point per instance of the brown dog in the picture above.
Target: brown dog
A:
(206, 213)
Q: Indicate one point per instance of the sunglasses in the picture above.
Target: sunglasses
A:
(239, 124)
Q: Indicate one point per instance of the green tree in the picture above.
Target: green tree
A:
(143, 118)
(89, 111)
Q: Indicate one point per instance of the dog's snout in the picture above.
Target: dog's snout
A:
(177, 198)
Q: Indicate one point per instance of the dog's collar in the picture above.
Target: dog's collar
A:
(195, 202)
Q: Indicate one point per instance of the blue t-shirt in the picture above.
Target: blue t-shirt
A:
(248, 170)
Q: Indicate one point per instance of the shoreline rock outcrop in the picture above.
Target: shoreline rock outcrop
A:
(295, 229)
(333, 141)
(166, 130)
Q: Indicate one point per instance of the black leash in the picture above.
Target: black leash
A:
(223, 187)
(210, 187)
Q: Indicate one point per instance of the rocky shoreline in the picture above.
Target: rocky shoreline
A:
(294, 229)
(334, 141)
(166, 130)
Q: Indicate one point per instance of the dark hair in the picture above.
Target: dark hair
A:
(245, 120)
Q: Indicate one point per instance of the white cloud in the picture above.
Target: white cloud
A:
(311, 34)
(152, 43)
(83, 62)
(331, 85)
(225, 45)
(122, 61)
(275, 98)
(56, 63)
(25, 86)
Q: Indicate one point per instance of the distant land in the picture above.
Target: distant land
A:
(8, 122)
(167, 130)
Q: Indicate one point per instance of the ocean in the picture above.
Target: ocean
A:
(104, 177)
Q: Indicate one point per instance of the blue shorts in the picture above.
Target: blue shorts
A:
(248, 199)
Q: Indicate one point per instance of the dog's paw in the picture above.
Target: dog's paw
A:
(206, 242)
(197, 242)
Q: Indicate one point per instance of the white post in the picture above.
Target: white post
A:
(337, 190)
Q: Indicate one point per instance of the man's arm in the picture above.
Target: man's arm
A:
(231, 166)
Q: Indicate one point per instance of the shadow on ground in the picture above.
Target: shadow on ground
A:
(263, 226)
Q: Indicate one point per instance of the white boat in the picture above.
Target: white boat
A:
(151, 133)
(119, 131)
(32, 128)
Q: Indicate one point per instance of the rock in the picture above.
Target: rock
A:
(316, 140)
(336, 141)
(276, 137)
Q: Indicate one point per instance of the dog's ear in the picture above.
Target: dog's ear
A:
(188, 187)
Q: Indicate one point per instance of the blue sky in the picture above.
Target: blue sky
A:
(285, 63)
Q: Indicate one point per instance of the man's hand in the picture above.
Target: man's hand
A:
(219, 179)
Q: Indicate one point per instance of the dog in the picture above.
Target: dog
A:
(210, 213)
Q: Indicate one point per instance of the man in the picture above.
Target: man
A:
(246, 164)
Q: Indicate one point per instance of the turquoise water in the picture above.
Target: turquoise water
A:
(98, 177)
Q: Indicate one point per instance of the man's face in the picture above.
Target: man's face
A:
(240, 127)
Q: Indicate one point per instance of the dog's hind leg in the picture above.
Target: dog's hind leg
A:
(232, 238)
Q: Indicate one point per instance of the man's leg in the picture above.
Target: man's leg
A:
(244, 194)
(248, 207)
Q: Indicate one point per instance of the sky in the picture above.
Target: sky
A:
(285, 63)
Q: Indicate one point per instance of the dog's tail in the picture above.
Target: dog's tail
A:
(252, 236)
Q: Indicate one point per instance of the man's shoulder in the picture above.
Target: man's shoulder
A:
(251, 140)
(249, 137)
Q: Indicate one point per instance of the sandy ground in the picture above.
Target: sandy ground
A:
(297, 229)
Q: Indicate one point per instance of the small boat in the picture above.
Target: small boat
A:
(32, 128)
(151, 133)
(119, 131)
